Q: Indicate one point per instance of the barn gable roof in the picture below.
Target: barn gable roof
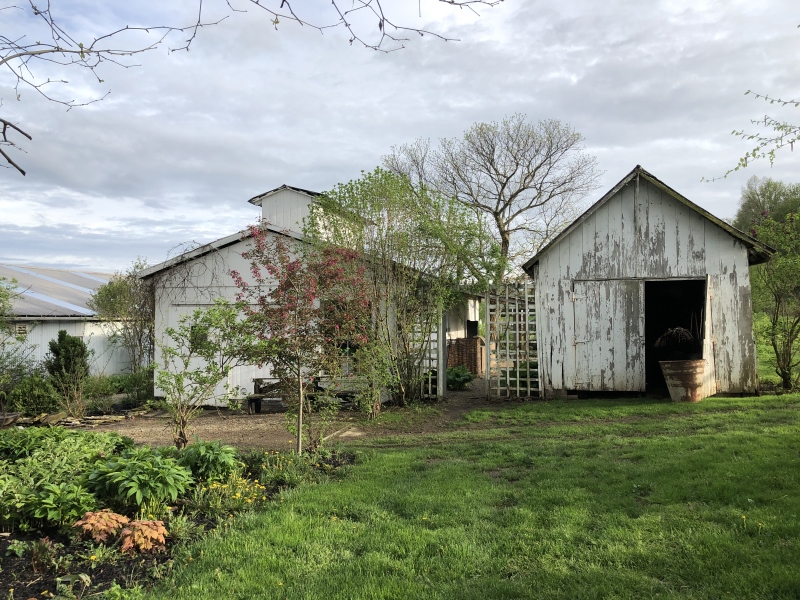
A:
(757, 252)
(200, 251)
(257, 200)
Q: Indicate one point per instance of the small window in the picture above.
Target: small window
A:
(21, 329)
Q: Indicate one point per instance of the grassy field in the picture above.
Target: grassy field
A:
(589, 499)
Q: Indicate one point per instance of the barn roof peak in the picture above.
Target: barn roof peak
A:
(757, 251)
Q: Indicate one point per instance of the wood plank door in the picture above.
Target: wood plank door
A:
(609, 335)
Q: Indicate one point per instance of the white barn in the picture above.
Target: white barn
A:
(48, 300)
(196, 278)
(640, 260)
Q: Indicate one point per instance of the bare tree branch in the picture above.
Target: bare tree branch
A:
(19, 55)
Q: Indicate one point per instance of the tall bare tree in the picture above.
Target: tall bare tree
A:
(524, 180)
(25, 54)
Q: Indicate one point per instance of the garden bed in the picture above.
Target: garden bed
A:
(154, 502)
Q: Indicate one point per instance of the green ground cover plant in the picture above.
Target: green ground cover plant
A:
(589, 499)
(56, 487)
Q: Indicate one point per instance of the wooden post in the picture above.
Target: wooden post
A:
(441, 351)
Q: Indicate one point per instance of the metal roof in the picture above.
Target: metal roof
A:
(52, 293)
(219, 244)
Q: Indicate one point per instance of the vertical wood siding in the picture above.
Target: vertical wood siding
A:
(640, 233)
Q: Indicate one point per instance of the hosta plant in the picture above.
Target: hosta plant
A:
(101, 525)
(137, 477)
(144, 536)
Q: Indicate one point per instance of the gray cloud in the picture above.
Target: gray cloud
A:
(182, 142)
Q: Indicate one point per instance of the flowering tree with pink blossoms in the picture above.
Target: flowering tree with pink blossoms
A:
(303, 306)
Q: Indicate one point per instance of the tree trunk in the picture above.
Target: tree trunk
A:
(300, 416)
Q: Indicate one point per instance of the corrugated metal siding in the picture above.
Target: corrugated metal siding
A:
(642, 232)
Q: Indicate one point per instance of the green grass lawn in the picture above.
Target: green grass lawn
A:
(589, 499)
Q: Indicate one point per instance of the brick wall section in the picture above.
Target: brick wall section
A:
(470, 352)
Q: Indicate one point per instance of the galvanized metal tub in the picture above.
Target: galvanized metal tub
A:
(684, 379)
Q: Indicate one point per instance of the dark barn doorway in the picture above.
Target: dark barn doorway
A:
(670, 304)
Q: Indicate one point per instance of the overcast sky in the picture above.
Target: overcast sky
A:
(181, 143)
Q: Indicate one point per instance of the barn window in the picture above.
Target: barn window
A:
(21, 329)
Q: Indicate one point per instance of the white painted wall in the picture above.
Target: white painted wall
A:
(108, 358)
(286, 209)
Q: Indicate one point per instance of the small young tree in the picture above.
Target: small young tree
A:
(17, 362)
(776, 291)
(196, 360)
(302, 310)
(68, 366)
(419, 248)
(127, 305)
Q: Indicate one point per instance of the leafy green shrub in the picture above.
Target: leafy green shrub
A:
(12, 497)
(68, 365)
(33, 396)
(458, 377)
(137, 386)
(58, 503)
(81, 446)
(138, 476)
(42, 473)
(209, 461)
(16, 363)
(99, 391)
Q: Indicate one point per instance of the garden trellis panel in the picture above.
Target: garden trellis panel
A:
(511, 356)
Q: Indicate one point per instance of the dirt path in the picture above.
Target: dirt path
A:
(268, 431)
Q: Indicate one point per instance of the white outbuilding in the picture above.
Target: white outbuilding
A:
(640, 261)
(47, 300)
(196, 278)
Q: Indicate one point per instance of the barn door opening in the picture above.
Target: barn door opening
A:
(671, 304)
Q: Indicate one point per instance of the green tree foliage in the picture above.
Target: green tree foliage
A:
(196, 361)
(418, 247)
(127, 305)
(6, 291)
(303, 309)
(775, 134)
(776, 292)
(68, 366)
(765, 198)
(524, 181)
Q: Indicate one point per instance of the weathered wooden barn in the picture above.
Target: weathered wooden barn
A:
(641, 260)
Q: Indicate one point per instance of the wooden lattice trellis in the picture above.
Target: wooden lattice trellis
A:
(512, 367)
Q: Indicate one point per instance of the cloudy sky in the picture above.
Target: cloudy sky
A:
(182, 141)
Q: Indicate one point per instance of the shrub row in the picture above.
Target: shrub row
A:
(54, 476)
